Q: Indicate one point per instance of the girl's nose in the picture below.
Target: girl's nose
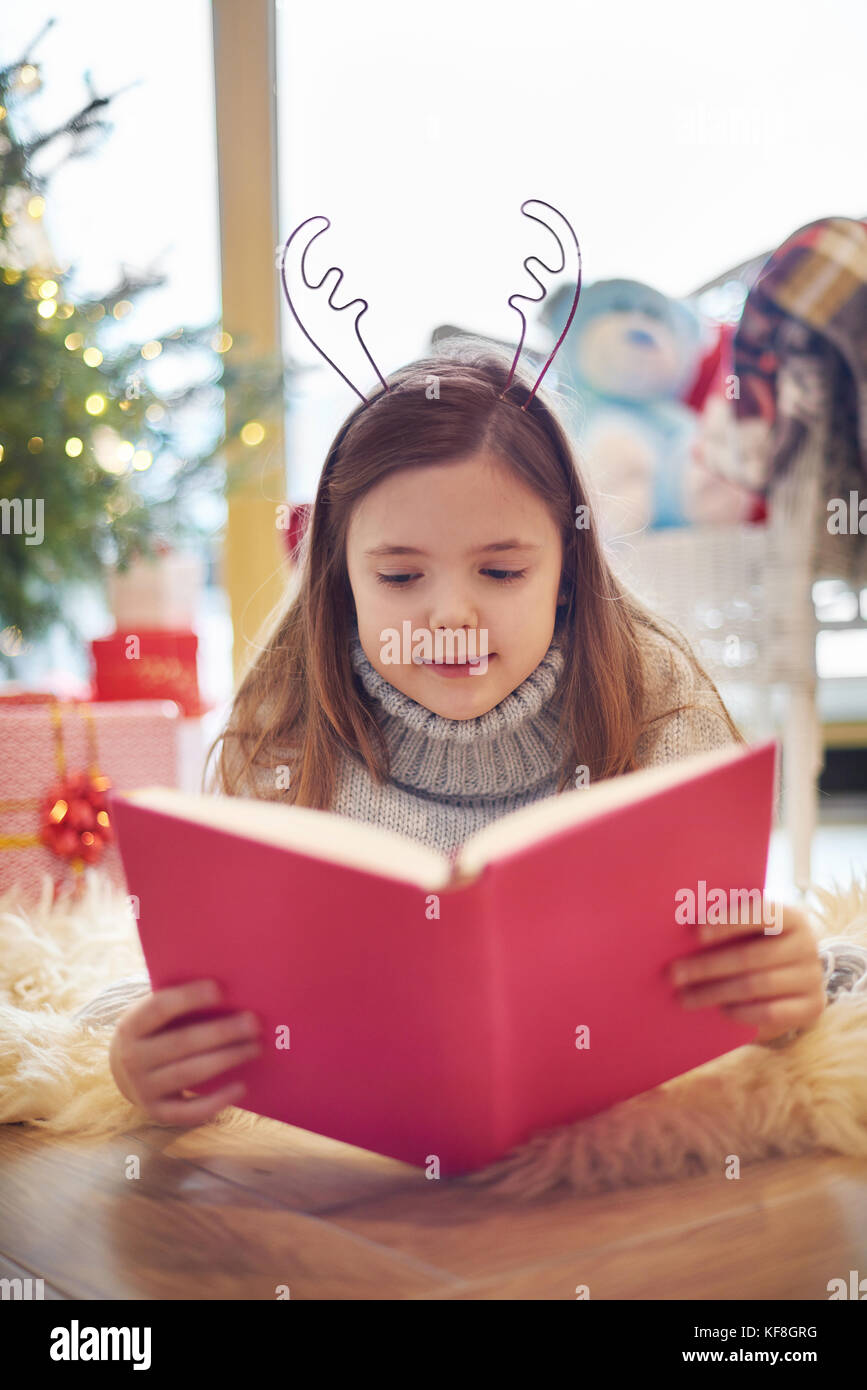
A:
(452, 615)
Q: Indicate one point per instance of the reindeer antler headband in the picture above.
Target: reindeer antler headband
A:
(529, 298)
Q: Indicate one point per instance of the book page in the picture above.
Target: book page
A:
(321, 834)
(533, 823)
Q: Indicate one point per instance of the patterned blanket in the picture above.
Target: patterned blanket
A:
(808, 303)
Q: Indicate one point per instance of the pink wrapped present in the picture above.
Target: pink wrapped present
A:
(57, 760)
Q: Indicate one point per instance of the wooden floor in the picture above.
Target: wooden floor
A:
(217, 1216)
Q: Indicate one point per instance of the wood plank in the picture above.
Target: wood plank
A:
(476, 1237)
(194, 1225)
(787, 1250)
(69, 1213)
(301, 1170)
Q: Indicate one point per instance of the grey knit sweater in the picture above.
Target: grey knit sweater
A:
(449, 777)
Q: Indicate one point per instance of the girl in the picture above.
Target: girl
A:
(444, 507)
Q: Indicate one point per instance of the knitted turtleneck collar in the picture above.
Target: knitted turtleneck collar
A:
(510, 749)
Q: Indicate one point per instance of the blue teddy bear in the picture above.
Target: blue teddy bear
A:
(629, 355)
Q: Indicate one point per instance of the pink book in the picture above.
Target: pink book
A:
(425, 1010)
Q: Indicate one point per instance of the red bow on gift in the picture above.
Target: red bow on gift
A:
(73, 818)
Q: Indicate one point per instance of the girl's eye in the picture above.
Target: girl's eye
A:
(501, 576)
(504, 576)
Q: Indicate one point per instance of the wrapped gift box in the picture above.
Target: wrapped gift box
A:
(132, 744)
(299, 520)
(157, 592)
(148, 664)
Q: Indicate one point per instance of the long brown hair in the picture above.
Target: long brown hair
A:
(300, 704)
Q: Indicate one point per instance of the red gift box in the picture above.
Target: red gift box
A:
(149, 664)
(26, 697)
(715, 371)
(57, 760)
(299, 520)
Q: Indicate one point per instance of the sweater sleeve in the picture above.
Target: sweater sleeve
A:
(699, 727)
(105, 1008)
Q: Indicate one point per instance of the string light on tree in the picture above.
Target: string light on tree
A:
(56, 429)
(252, 433)
(12, 641)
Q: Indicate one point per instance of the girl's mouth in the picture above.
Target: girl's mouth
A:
(460, 668)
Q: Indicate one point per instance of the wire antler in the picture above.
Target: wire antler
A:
(337, 308)
(554, 270)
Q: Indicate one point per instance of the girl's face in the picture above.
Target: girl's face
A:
(457, 546)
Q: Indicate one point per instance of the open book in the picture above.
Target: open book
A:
(425, 1010)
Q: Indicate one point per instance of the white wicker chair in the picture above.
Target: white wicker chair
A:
(743, 594)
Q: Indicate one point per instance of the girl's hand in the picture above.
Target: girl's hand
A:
(153, 1068)
(772, 978)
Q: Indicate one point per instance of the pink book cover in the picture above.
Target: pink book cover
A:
(453, 1018)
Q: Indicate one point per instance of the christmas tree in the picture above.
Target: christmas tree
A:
(94, 464)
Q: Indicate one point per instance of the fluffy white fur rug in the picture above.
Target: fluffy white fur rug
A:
(755, 1102)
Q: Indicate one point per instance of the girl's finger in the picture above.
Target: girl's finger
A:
(771, 919)
(156, 1051)
(178, 1111)
(773, 1015)
(190, 1071)
(757, 953)
(165, 1005)
(788, 981)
